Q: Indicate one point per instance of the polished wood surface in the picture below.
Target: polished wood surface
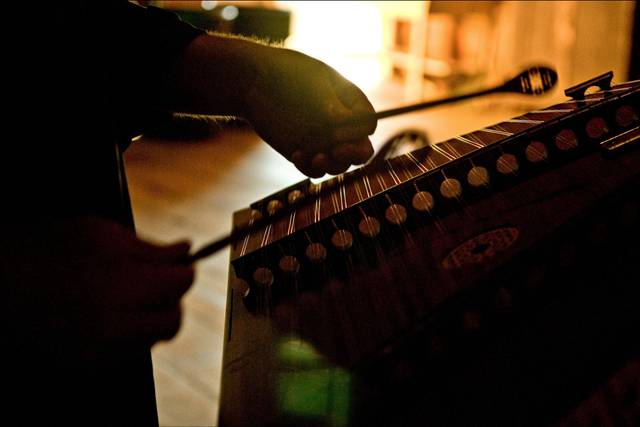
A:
(364, 331)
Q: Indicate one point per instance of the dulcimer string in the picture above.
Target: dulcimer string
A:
(343, 301)
(533, 81)
(377, 318)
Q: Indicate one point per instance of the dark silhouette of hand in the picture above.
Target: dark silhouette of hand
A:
(92, 280)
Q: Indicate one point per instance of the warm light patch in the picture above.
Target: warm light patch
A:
(347, 35)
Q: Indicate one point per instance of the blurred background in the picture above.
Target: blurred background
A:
(188, 178)
(431, 49)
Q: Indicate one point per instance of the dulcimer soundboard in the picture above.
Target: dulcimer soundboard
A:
(490, 279)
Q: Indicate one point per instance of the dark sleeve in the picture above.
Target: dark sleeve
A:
(150, 41)
(104, 56)
(168, 32)
(90, 73)
(155, 36)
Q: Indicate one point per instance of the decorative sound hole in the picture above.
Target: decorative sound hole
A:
(481, 247)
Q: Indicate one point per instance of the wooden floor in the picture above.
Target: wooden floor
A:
(189, 189)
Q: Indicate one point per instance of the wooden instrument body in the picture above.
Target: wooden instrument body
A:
(507, 311)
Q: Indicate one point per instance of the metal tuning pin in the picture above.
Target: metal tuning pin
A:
(256, 215)
(626, 115)
(295, 196)
(342, 239)
(396, 214)
(478, 176)
(423, 201)
(451, 188)
(263, 276)
(536, 152)
(316, 252)
(289, 265)
(596, 127)
(241, 286)
(369, 227)
(566, 140)
(507, 164)
(273, 207)
(314, 188)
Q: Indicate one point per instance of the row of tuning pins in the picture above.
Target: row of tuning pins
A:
(424, 202)
(507, 163)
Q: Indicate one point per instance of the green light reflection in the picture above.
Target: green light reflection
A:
(309, 388)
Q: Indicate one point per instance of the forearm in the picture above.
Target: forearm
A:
(216, 75)
(299, 105)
